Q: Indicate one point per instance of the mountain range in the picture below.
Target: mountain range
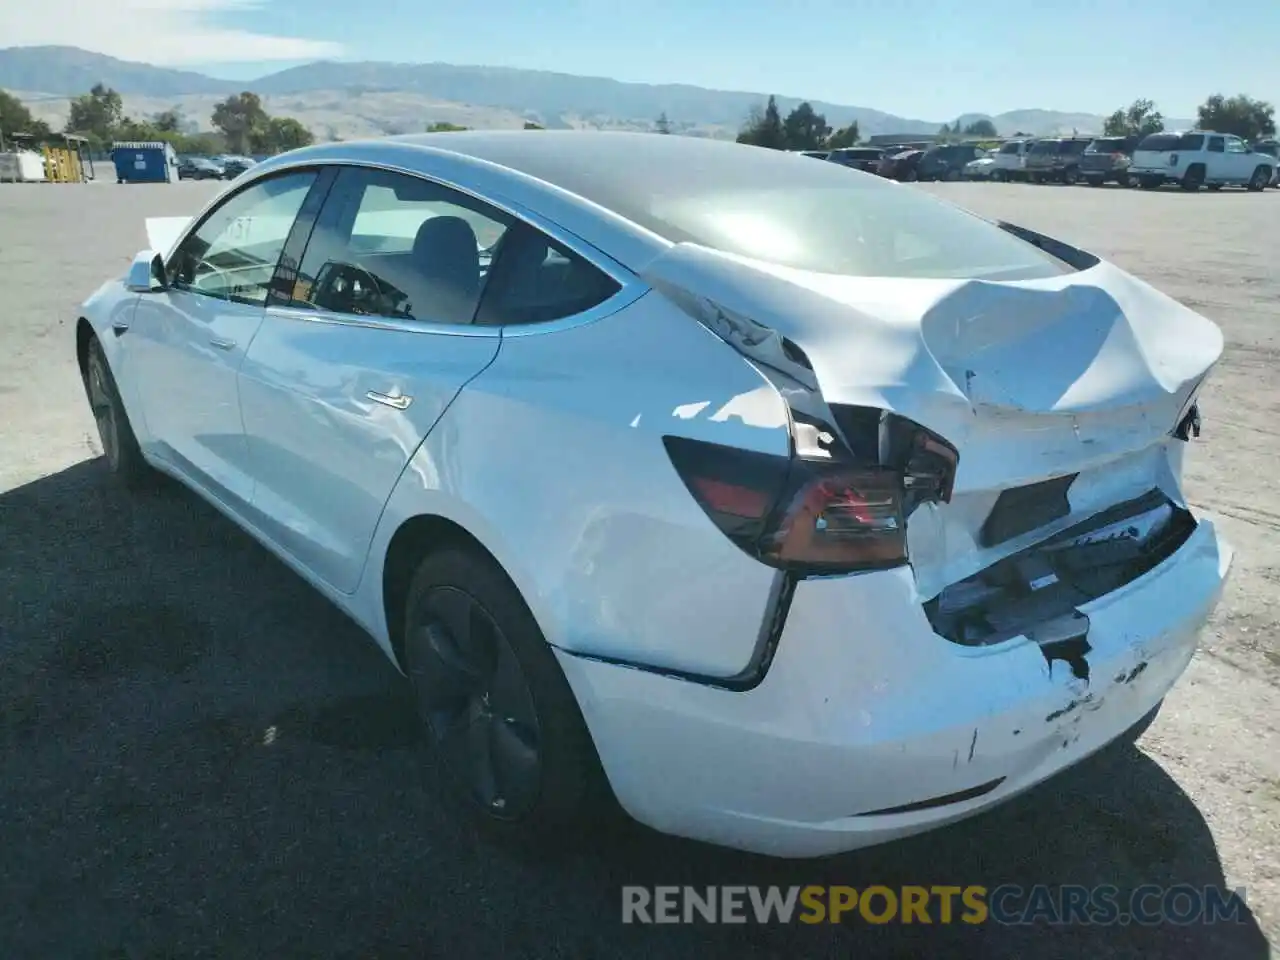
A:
(346, 99)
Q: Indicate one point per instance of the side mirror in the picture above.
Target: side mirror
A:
(146, 273)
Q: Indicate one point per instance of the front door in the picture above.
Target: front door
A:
(354, 367)
(1240, 161)
(187, 342)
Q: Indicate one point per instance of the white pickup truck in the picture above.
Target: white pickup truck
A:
(1199, 158)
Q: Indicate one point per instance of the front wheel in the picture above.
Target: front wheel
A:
(1261, 177)
(502, 721)
(119, 444)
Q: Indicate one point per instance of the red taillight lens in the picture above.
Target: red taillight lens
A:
(808, 515)
(838, 518)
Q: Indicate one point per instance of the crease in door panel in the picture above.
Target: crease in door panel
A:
(364, 568)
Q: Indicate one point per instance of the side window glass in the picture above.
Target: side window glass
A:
(536, 280)
(1215, 145)
(1235, 145)
(233, 253)
(391, 245)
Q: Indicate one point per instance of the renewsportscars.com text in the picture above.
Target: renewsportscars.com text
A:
(1010, 905)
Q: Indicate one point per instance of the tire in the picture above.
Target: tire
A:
(1261, 177)
(1193, 179)
(1215, 187)
(999, 176)
(951, 175)
(1149, 183)
(120, 447)
(1094, 181)
(910, 176)
(502, 726)
(1070, 176)
(1122, 179)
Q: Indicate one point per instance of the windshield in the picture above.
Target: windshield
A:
(1045, 146)
(1164, 142)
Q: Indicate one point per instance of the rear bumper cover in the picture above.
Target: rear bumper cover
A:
(865, 709)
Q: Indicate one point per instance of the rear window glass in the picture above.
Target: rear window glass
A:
(1010, 148)
(1073, 146)
(863, 229)
(1045, 146)
(1164, 142)
(1111, 145)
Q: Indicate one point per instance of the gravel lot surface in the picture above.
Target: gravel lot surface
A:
(200, 757)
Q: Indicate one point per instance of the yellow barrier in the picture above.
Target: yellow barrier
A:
(62, 165)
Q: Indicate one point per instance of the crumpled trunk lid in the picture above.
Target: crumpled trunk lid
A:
(1079, 378)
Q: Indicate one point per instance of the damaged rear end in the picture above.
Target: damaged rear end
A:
(1008, 455)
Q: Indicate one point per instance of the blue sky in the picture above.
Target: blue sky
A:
(928, 59)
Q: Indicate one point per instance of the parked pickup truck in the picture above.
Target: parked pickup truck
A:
(1200, 158)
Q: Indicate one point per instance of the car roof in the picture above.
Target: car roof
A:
(586, 182)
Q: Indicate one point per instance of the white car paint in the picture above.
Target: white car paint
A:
(1224, 159)
(544, 443)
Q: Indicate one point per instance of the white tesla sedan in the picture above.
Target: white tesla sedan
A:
(799, 509)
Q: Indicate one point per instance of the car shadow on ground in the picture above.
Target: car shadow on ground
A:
(200, 757)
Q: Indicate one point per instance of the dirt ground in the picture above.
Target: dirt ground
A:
(200, 757)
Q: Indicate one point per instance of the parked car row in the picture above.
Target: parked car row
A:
(1191, 159)
(213, 168)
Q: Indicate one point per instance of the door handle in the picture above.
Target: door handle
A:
(119, 327)
(397, 402)
(222, 343)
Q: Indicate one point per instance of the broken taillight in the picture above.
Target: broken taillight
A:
(810, 514)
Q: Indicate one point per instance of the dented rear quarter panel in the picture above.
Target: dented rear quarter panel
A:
(553, 459)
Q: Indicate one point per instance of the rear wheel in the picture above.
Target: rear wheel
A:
(501, 720)
(1149, 183)
(119, 444)
(1193, 179)
(1261, 177)
(1094, 181)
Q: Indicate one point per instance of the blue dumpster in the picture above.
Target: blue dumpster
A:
(140, 161)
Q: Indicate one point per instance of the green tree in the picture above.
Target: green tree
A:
(530, 125)
(980, 128)
(96, 114)
(844, 137)
(168, 121)
(443, 127)
(242, 121)
(662, 124)
(1139, 119)
(16, 118)
(285, 133)
(1240, 115)
(804, 129)
(763, 128)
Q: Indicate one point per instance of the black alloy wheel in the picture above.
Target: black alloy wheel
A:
(475, 700)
